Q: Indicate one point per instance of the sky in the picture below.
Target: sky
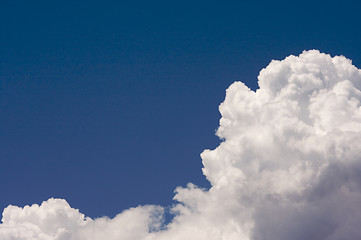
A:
(109, 104)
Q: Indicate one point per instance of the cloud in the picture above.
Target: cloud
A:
(56, 220)
(289, 167)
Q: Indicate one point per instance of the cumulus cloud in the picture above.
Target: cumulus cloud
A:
(56, 220)
(289, 167)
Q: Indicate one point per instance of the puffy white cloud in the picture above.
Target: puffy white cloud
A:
(56, 220)
(289, 167)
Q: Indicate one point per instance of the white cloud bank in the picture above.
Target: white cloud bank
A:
(289, 168)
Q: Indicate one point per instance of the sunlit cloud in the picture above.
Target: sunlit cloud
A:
(288, 167)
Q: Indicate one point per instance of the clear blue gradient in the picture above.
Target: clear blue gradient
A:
(108, 104)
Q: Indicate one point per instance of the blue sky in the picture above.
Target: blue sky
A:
(109, 104)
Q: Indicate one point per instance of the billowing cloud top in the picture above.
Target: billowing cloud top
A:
(288, 167)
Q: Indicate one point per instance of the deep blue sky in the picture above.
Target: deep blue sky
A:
(108, 104)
